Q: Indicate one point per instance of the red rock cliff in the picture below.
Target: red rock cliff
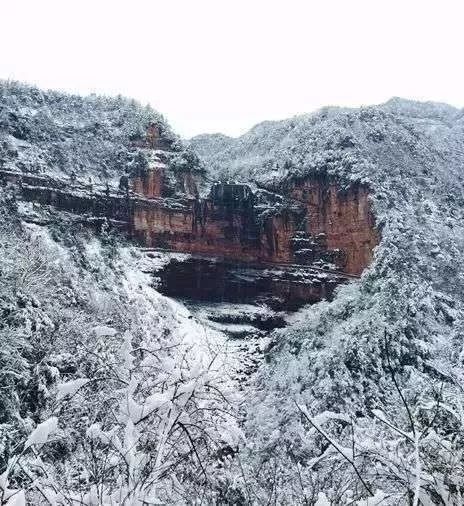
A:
(149, 184)
(317, 224)
(337, 225)
(344, 216)
(157, 181)
(334, 226)
(214, 229)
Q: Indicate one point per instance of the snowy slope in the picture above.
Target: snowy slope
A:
(49, 131)
(111, 390)
(329, 139)
(392, 343)
(105, 382)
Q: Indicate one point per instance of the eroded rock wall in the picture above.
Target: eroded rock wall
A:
(284, 289)
(149, 184)
(211, 228)
(335, 227)
(276, 237)
(158, 181)
(344, 216)
(313, 222)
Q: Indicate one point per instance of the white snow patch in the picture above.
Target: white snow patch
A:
(18, 499)
(70, 387)
(42, 432)
(104, 331)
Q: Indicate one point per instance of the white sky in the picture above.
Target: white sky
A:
(224, 65)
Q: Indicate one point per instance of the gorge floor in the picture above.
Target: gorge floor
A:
(237, 302)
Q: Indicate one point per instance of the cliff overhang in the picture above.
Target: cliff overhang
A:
(311, 226)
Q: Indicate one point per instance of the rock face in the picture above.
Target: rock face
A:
(95, 204)
(317, 223)
(282, 250)
(157, 181)
(344, 217)
(282, 289)
(309, 221)
(312, 222)
(226, 224)
(151, 184)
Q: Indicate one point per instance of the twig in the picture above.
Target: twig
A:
(194, 448)
(392, 373)
(339, 450)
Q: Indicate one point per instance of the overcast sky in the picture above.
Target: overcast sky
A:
(224, 65)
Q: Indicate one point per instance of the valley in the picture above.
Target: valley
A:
(269, 319)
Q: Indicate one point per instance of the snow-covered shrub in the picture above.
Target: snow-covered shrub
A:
(48, 131)
(405, 315)
(111, 393)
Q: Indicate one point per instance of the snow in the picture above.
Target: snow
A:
(42, 432)
(332, 357)
(154, 261)
(18, 499)
(83, 311)
(91, 136)
(136, 412)
(70, 388)
(104, 331)
(322, 500)
(378, 499)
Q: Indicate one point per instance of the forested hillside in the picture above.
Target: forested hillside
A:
(363, 395)
(112, 394)
(96, 136)
(331, 139)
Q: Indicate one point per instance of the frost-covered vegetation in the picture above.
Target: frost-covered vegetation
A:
(95, 136)
(332, 139)
(362, 397)
(112, 394)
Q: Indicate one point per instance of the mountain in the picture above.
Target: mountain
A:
(272, 150)
(48, 132)
(351, 383)
(112, 393)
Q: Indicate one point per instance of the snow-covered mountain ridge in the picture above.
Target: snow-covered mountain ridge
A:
(274, 150)
(97, 137)
(114, 394)
(390, 344)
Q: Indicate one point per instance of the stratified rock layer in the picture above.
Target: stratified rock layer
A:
(343, 216)
(312, 222)
(316, 223)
